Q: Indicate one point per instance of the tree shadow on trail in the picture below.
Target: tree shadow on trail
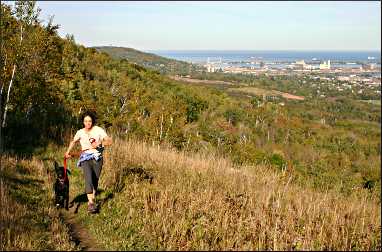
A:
(82, 198)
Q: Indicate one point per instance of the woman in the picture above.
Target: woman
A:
(91, 138)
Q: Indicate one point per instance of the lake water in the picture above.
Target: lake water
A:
(282, 57)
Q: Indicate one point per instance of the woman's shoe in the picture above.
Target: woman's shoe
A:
(92, 208)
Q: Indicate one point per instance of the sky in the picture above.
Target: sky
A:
(192, 25)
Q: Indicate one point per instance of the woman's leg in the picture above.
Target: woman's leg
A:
(97, 173)
(88, 167)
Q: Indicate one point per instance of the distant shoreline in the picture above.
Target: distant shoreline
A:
(199, 56)
(218, 50)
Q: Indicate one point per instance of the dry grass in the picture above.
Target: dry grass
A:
(201, 202)
(161, 199)
(201, 81)
(28, 218)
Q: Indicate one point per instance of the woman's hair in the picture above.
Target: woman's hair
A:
(92, 116)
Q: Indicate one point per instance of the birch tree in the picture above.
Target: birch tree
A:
(26, 14)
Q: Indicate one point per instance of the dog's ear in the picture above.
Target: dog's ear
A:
(56, 166)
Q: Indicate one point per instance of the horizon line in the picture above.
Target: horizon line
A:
(310, 50)
(281, 50)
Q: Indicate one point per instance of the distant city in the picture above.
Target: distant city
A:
(353, 71)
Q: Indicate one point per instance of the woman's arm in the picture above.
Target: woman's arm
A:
(71, 145)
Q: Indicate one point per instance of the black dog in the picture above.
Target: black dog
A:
(61, 187)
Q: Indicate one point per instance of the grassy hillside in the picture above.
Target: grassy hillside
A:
(156, 198)
(150, 60)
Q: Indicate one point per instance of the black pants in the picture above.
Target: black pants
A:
(92, 171)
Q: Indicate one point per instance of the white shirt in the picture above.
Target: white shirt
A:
(95, 132)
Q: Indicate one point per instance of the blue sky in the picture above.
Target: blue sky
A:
(221, 25)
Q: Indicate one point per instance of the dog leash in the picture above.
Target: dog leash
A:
(65, 170)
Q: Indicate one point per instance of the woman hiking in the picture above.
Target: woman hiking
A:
(92, 139)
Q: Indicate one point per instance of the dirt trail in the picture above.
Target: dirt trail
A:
(78, 233)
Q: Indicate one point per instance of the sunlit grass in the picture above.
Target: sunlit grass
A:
(28, 218)
(202, 202)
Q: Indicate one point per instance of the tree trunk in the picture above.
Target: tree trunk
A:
(11, 82)
(9, 91)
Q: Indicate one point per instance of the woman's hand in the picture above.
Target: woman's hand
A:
(94, 144)
(67, 155)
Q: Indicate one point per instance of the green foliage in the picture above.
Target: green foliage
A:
(248, 154)
(160, 64)
(277, 160)
(194, 105)
(233, 115)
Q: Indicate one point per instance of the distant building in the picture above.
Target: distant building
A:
(210, 68)
(343, 78)
(300, 64)
(325, 65)
(308, 67)
(371, 66)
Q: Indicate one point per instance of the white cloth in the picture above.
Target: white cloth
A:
(84, 137)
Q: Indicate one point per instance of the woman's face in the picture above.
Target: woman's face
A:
(88, 122)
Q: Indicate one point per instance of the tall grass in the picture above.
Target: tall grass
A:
(171, 200)
(28, 218)
(156, 198)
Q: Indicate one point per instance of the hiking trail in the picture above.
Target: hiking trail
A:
(78, 233)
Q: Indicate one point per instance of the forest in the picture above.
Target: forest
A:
(151, 61)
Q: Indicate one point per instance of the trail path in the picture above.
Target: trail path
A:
(78, 233)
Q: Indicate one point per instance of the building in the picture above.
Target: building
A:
(308, 67)
(300, 64)
(325, 65)
(210, 68)
(371, 66)
(343, 78)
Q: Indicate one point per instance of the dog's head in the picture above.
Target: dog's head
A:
(59, 171)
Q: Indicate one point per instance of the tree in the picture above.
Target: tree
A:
(26, 15)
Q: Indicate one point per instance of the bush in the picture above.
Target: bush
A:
(247, 154)
(277, 160)
(233, 115)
